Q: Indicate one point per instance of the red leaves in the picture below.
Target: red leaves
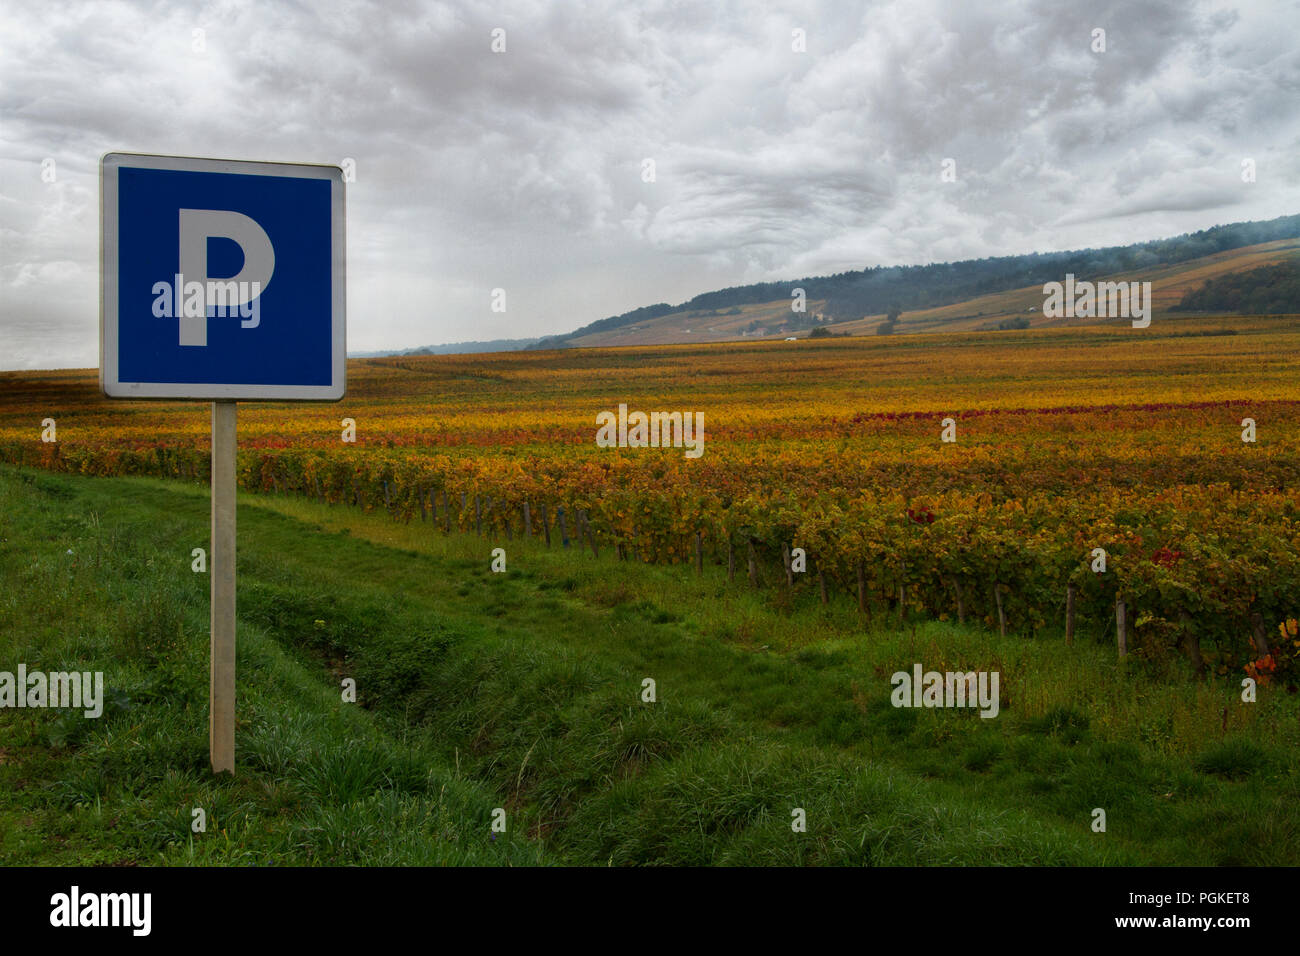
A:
(922, 515)
(1166, 558)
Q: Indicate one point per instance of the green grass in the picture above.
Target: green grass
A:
(97, 576)
(522, 690)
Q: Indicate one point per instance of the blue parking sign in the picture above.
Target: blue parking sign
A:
(221, 279)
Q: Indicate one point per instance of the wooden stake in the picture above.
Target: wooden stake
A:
(753, 567)
(546, 525)
(1121, 626)
(1002, 618)
(699, 553)
(528, 523)
(1191, 643)
(1259, 632)
(1069, 614)
(731, 559)
(961, 601)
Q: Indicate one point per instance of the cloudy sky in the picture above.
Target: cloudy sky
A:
(524, 169)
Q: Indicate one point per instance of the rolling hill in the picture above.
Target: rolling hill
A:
(734, 314)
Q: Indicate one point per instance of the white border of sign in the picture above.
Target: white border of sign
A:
(109, 164)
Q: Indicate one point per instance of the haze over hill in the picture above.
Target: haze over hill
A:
(450, 348)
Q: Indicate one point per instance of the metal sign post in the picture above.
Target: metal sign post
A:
(221, 715)
(221, 281)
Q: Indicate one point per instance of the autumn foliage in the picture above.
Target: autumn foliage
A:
(1090, 438)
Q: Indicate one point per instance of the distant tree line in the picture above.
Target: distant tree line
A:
(1268, 290)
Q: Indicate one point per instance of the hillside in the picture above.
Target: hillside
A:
(945, 297)
(1168, 286)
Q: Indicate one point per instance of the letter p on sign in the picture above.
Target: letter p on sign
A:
(197, 226)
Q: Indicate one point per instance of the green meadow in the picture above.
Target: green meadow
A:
(523, 692)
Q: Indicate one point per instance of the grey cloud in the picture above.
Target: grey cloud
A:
(522, 170)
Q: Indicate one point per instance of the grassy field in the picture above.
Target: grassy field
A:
(522, 691)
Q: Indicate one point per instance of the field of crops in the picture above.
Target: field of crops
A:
(1066, 440)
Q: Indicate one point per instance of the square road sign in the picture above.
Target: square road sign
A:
(221, 279)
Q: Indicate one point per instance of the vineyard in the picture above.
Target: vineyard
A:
(1097, 478)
